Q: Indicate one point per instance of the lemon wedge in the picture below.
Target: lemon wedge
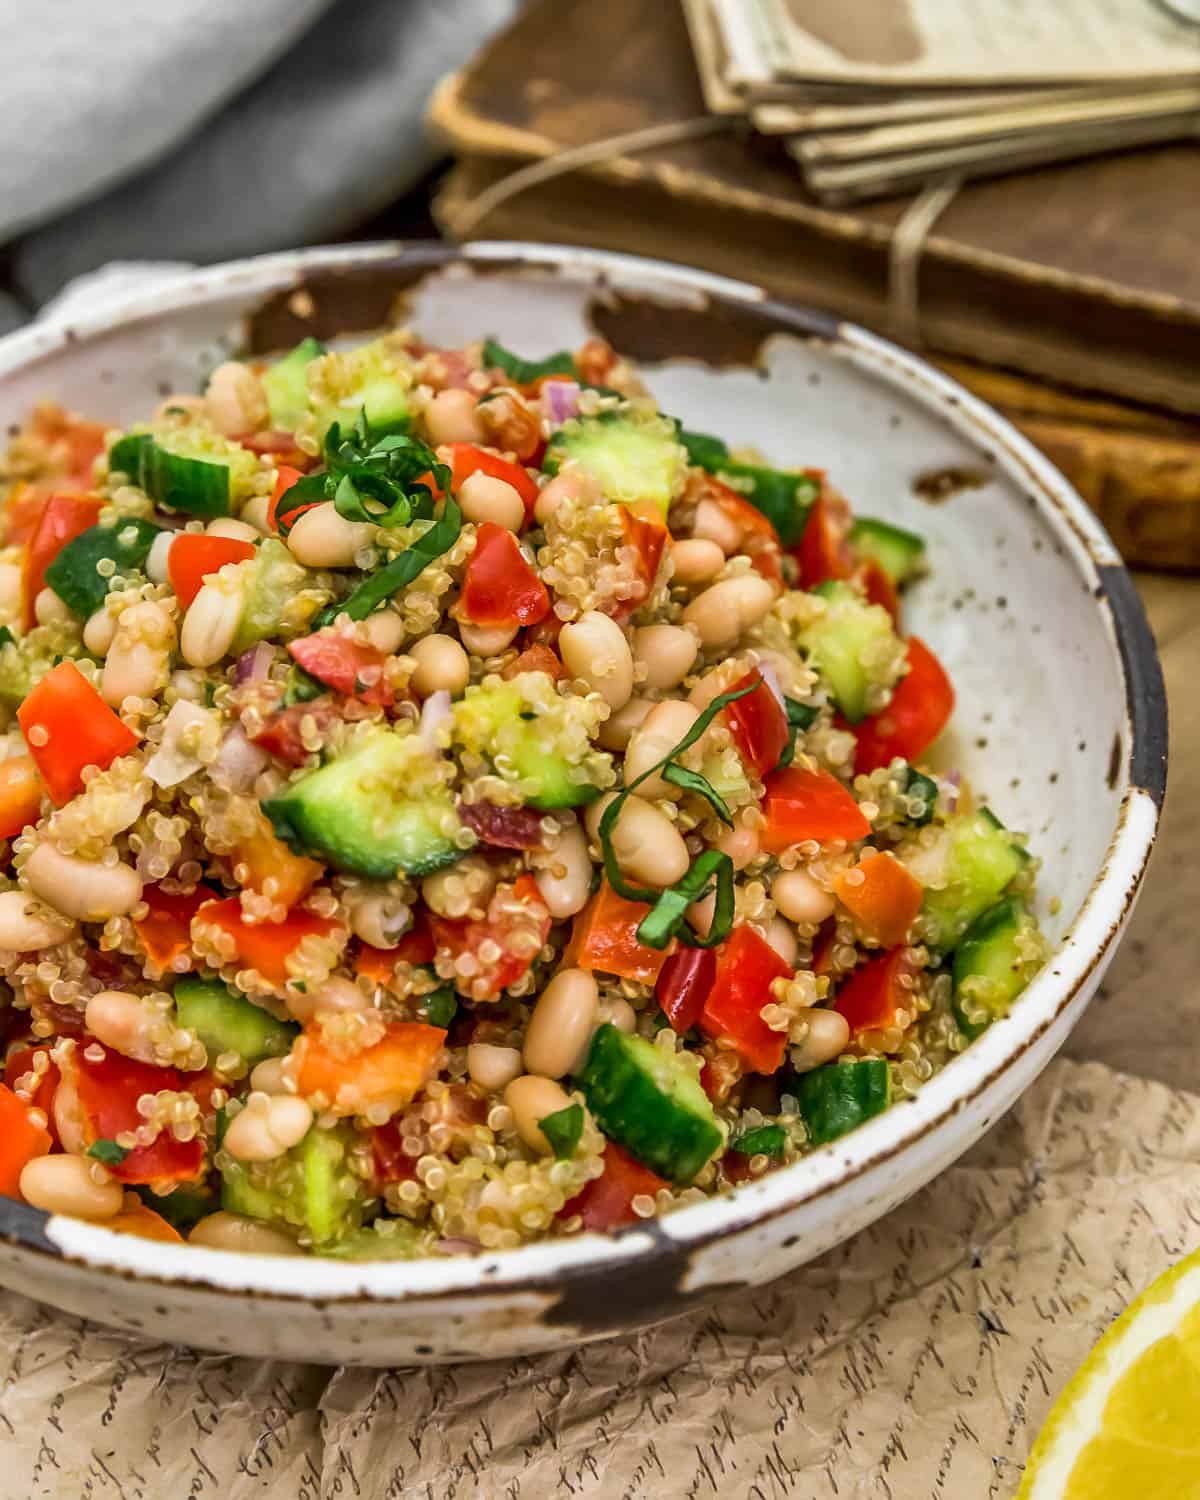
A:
(1127, 1427)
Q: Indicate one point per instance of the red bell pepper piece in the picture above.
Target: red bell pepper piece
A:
(74, 444)
(64, 518)
(109, 1090)
(194, 555)
(800, 804)
(758, 724)
(166, 929)
(392, 1071)
(746, 967)
(389, 1161)
(285, 478)
(882, 896)
(647, 536)
(535, 658)
(68, 727)
(465, 935)
(824, 551)
(605, 937)
(265, 946)
(466, 459)
(499, 587)
(871, 996)
(143, 1222)
(683, 984)
(607, 1201)
(20, 1062)
(921, 704)
(20, 795)
(20, 1141)
(22, 511)
(350, 667)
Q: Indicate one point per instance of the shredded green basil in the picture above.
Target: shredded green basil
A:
(767, 1140)
(440, 1007)
(378, 587)
(108, 1152)
(563, 1129)
(6, 636)
(692, 781)
(800, 716)
(526, 371)
(73, 575)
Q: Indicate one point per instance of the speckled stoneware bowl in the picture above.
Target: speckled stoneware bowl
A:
(1061, 723)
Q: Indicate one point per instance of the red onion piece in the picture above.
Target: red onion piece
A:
(503, 827)
(561, 399)
(238, 762)
(951, 782)
(457, 1246)
(253, 665)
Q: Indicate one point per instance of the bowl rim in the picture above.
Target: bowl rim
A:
(550, 1266)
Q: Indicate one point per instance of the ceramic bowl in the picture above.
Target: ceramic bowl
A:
(1061, 723)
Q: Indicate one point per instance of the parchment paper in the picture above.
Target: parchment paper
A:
(916, 1361)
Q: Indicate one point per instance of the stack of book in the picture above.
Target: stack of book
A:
(872, 97)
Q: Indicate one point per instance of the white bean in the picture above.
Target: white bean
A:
(798, 896)
(385, 630)
(783, 940)
(235, 399)
(740, 843)
(466, 886)
(442, 666)
(619, 1013)
(531, 1099)
(68, 1116)
(27, 925)
(124, 1023)
(71, 1185)
(99, 631)
(49, 609)
(486, 640)
(235, 530)
(256, 512)
(665, 653)
(211, 623)
(713, 525)
(225, 1231)
(483, 497)
(269, 1077)
(323, 539)
(451, 417)
(696, 560)
(572, 483)
(724, 610)
(594, 649)
(617, 730)
(139, 657)
(378, 917)
(83, 889)
(493, 1068)
(827, 1037)
(648, 846)
(337, 993)
(663, 728)
(564, 873)
(560, 1029)
(269, 1125)
(156, 558)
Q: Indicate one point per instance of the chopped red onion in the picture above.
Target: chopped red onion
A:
(253, 665)
(503, 827)
(239, 763)
(951, 784)
(561, 399)
(457, 1246)
(771, 677)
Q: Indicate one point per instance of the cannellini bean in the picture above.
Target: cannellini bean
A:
(483, 497)
(269, 1125)
(740, 843)
(617, 729)
(125, 1023)
(442, 666)
(269, 1077)
(71, 1185)
(531, 1099)
(139, 658)
(99, 631)
(564, 873)
(726, 609)
(710, 686)
(26, 924)
(451, 417)
(665, 654)
(84, 889)
(323, 539)
(156, 558)
(235, 399)
(696, 560)
(828, 1034)
(256, 512)
(486, 640)
(337, 993)
(467, 884)
(594, 649)
(68, 1116)
(618, 1013)
(49, 609)
(493, 1068)
(800, 899)
(560, 1029)
(212, 622)
(700, 914)
(713, 525)
(571, 483)
(783, 940)
(379, 918)
(225, 1231)
(664, 726)
(235, 530)
(648, 846)
(385, 630)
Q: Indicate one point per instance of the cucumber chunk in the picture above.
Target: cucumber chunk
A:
(374, 379)
(994, 962)
(16, 680)
(73, 576)
(226, 1022)
(847, 645)
(280, 600)
(526, 371)
(839, 1097)
(390, 1239)
(982, 860)
(286, 384)
(309, 1188)
(926, 789)
(650, 1102)
(900, 553)
(379, 808)
(188, 467)
(631, 456)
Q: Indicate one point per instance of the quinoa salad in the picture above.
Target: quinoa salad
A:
(446, 803)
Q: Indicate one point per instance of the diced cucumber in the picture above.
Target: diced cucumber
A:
(839, 1097)
(499, 722)
(992, 965)
(926, 789)
(309, 1188)
(15, 677)
(843, 644)
(376, 810)
(188, 467)
(982, 860)
(372, 379)
(227, 1022)
(650, 1101)
(399, 1240)
(125, 455)
(785, 498)
(73, 575)
(630, 455)
(900, 553)
(278, 600)
(286, 384)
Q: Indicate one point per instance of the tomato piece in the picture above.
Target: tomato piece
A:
(882, 896)
(503, 827)
(285, 477)
(20, 795)
(265, 946)
(824, 551)
(166, 929)
(512, 426)
(515, 908)
(682, 985)
(746, 967)
(921, 705)
(595, 359)
(20, 1062)
(143, 1222)
(63, 518)
(760, 541)
(535, 658)
(68, 727)
(389, 1161)
(499, 587)
(606, 1202)
(647, 536)
(879, 588)
(279, 444)
(871, 996)
(466, 459)
(800, 805)
(758, 724)
(605, 937)
(21, 1139)
(353, 668)
(22, 511)
(281, 733)
(194, 555)
(392, 1071)
(109, 1089)
(74, 443)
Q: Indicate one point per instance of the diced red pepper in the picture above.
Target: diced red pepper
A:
(63, 519)
(74, 444)
(261, 856)
(22, 511)
(499, 587)
(513, 426)
(285, 477)
(683, 984)
(142, 1221)
(503, 827)
(879, 588)
(353, 668)
(921, 704)
(799, 804)
(109, 1090)
(166, 929)
(466, 459)
(758, 724)
(265, 946)
(647, 535)
(20, 1062)
(746, 967)
(20, 795)
(824, 551)
(607, 1201)
(882, 896)
(194, 555)
(873, 993)
(68, 727)
(464, 935)
(20, 1141)
(392, 1071)
(605, 937)
(535, 658)
(280, 734)
(389, 1161)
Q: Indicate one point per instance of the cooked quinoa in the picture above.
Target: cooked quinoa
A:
(446, 803)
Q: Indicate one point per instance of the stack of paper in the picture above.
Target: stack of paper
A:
(882, 96)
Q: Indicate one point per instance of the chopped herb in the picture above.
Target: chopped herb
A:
(108, 1152)
(378, 587)
(210, 694)
(6, 636)
(526, 371)
(73, 575)
(767, 1140)
(783, 497)
(563, 1130)
(800, 716)
(692, 781)
(440, 1008)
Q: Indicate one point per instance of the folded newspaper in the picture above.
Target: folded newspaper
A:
(878, 96)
